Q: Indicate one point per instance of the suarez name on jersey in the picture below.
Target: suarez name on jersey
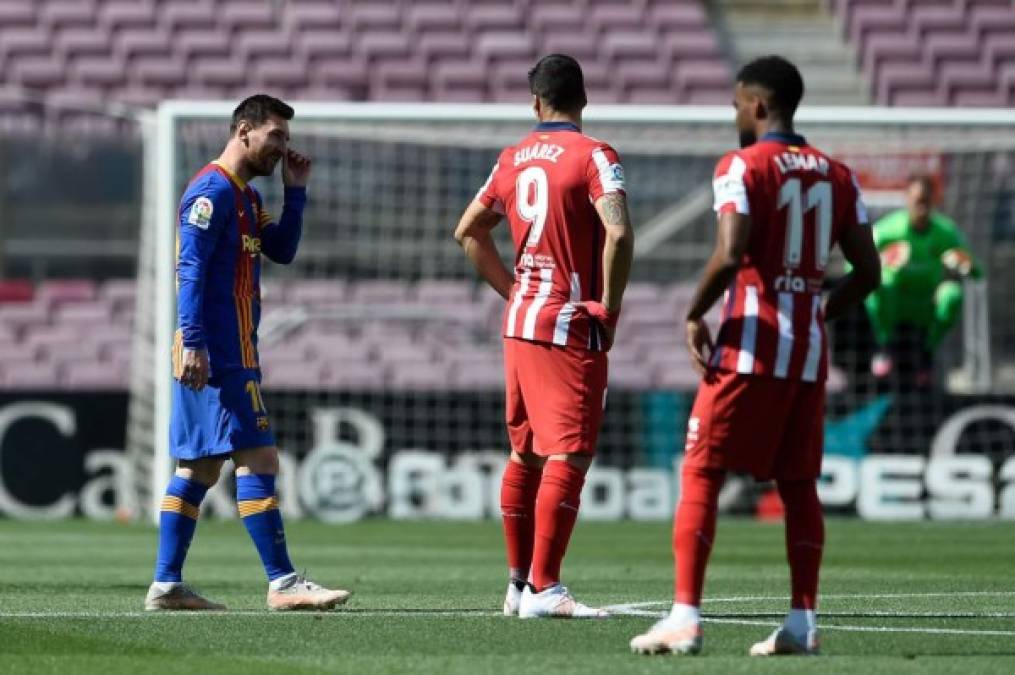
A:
(547, 186)
(800, 202)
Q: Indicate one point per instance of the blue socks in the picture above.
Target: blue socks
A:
(177, 522)
(258, 506)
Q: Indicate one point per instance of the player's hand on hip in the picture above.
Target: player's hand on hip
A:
(606, 319)
(195, 369)
(295, 169)
(699, 344)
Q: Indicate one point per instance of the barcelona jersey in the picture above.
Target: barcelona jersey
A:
(223, 229)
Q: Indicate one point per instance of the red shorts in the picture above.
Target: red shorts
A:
(555, 397)
(763, 426)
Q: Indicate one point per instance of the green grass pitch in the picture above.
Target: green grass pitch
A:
(898, 598)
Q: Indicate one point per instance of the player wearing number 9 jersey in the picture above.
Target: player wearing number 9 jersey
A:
(781, 206)
(563, 195)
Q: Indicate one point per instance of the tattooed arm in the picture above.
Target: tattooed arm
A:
(618, 251)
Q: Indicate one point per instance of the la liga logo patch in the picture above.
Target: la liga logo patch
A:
(200, 213)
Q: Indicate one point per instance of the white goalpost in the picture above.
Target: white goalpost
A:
(388, 182)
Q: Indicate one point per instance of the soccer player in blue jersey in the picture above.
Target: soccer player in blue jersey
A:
(217, 409)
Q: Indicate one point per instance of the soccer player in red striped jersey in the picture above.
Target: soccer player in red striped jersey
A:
(563, 195)
(782, 205)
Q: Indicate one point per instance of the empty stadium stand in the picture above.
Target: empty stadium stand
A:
(141, 51)
(934, 52)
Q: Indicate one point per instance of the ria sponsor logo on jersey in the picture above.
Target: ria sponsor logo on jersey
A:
(790, 283)
(797, 161)
(547, 151)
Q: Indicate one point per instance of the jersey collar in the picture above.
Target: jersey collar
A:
(240, 183)
(787, 139)
(556, 126)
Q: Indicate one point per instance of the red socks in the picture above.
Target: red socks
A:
(518, 489)
(556, 512)
(694, 531)
(805, 539)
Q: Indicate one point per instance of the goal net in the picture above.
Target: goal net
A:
(381, 350)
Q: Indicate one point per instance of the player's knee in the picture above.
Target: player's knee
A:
(529, 459)
(262, 460)
(204, 471)
(578, 460)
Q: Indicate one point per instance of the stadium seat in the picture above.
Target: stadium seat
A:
(30, 375)
(552, 19)
(95, 377)
(429, 16)
(421, 376)
(16, 290)
(74, 290)
(630, 375)
(353, 376)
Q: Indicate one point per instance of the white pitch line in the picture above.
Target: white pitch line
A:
(249, 613)
(842, 596)
(866, 596)
(874, 629)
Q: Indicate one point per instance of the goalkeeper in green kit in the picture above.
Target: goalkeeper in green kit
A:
(923, 261)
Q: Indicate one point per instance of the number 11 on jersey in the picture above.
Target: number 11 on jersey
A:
(819, 197)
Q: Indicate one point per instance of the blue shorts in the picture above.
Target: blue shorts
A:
(223, 417)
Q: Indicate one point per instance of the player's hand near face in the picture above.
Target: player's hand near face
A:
(295, 169)
(195, 370)
(699, 344)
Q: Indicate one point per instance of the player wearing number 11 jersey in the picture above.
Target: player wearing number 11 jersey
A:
(781, 207)
(563, 195)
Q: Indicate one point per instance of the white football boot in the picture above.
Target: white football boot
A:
(555, 602)
(784, 643)
(295, 592)
(669, 636)
(512, 599)
(163, 596)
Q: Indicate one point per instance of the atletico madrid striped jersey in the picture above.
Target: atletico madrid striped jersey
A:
(222, 230)
(800, 202)
(547, 186)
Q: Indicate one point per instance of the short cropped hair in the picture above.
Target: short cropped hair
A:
(923, 179)
(778, 76)
(557, 80)
(257, 108)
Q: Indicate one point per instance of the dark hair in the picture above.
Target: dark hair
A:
(923, 179)
(557, 79)
(780, 77)
(256, 109)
